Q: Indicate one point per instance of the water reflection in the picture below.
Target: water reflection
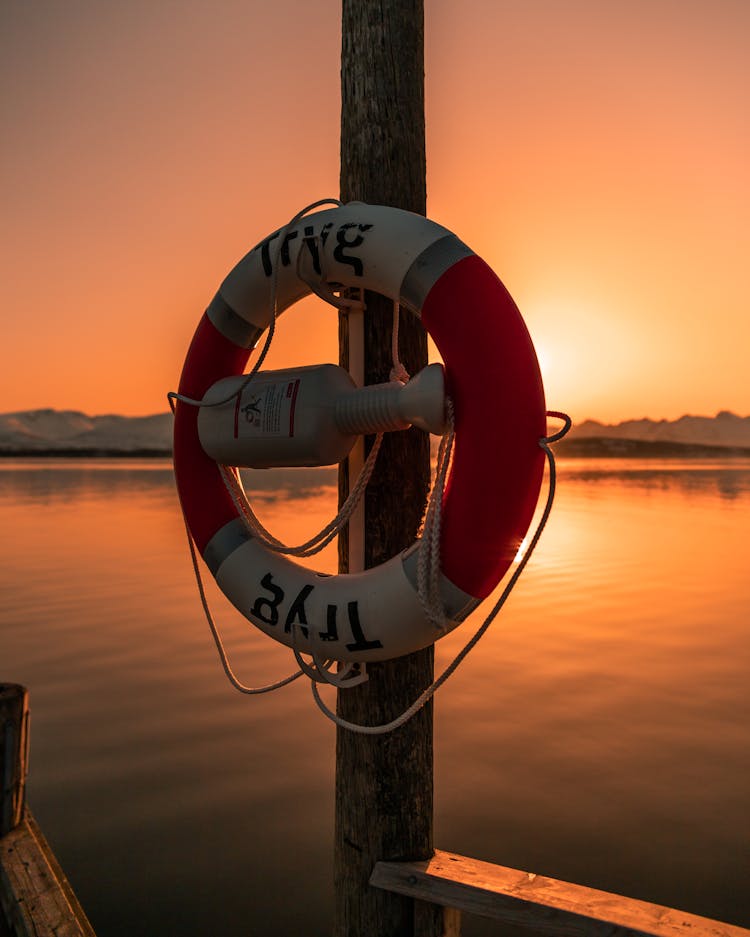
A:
(728, 478)
(48, 480)
(598, 733)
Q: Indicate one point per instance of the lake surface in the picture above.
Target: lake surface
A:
(599, 733)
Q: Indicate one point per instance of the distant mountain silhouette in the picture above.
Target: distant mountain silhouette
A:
(688, 437)
(724, 429)
(69, 432)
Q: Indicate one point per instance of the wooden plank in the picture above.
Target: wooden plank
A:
(548, 906)
(35, 894)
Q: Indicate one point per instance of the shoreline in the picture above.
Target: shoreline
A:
(93, 453)
(609, 447)
(590, 447)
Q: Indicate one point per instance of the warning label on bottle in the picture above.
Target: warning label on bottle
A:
(266, 409)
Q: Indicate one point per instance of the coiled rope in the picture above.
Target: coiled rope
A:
(322, 669)
(172, 396)
(427, 694)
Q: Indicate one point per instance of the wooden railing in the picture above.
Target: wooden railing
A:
(535, 904)
(37, 900)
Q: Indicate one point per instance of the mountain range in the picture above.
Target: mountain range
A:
(724, 429)
(723, 434)
(68, 432)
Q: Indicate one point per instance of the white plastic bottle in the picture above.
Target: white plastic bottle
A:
(312, 415)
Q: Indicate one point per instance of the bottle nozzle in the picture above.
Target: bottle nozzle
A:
(393, 406)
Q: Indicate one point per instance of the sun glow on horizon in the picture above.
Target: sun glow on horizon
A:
(598, 169)
(585, 357)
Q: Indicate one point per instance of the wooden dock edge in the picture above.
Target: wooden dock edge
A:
(35, 895)
(527, 900)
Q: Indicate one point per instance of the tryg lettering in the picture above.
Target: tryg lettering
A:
(349, 236)
(267, 609)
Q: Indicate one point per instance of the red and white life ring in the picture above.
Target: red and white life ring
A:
(492, 375)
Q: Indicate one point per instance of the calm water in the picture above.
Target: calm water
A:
(598, 734)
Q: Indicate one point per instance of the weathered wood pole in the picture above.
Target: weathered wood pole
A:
(384, 784)
(14, 754)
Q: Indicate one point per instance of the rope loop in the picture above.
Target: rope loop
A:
(555, 437)
(321, 669)
(428, 560)
(174, 396)
(231, 676)
(320, 540)
(398, 371)
(427, 694)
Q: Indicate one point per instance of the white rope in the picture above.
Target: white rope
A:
(398, 371)
(320, 540)
(233, 679)
(173, 395)
(427, 694)
(231, 676)
(428, 559)
(320, 670)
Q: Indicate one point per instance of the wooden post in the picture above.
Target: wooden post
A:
(384, 784)
(14, 754)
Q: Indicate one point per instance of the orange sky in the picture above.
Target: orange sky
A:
(595, 153)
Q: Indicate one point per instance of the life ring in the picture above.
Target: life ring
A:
(492, 375)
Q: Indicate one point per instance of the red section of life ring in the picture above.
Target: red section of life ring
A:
(493, 378)
(206, 503)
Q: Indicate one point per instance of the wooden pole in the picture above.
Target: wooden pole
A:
(14, 754)
(384, 784)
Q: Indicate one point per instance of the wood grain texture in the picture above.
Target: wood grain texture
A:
(14, 754)
(550, 908)
(384, 784)
(36, 897)
(382, 103)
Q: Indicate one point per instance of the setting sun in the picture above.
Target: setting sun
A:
(601, 173)
(588, 357)
(168, 564)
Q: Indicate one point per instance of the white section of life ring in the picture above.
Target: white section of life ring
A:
(493, 377)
